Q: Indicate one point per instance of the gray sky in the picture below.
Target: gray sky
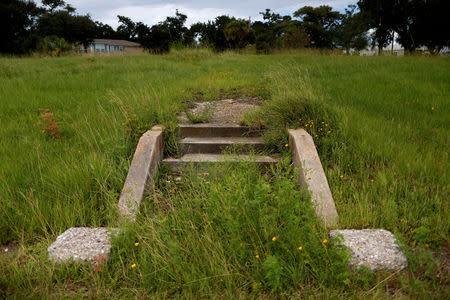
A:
(153, 11)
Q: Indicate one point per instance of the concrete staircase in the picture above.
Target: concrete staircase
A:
(204, 143)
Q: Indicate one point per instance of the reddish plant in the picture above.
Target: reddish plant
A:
(48, 125)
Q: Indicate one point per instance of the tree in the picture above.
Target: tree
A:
(54, 4)
(127, 28)
(383, 16)
(352, 30)
(321, 24)
(64, 24)
(16, 19)
(424, 23)
(236, 31)
(176, 27)
(104, 31)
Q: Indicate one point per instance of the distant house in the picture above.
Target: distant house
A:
(114, 47)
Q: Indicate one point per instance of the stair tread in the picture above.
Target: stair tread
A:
(202, 157)
(214, 125)
(221, 140)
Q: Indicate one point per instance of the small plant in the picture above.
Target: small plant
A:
(48, 125)
(202, 114)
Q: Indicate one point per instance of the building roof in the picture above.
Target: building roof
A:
(116, 42)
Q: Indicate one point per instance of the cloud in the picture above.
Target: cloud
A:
(153, 11)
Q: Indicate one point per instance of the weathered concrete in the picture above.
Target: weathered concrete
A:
(216, 130)
(219, 144)
(311, 175)
(81, 244)
(178, 164)
(143, 168)
(377, 249)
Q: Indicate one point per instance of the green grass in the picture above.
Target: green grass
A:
(384, 150)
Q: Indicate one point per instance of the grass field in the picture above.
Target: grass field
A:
(383, 142)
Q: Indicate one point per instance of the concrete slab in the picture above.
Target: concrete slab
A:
(140, 178)
(216, 130)
(311, 175)
(377, 249)
(81, 244)
(219, 144)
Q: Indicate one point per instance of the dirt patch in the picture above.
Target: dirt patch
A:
(226, 111)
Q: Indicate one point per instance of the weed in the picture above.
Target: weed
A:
(48, 125)
(201, 114)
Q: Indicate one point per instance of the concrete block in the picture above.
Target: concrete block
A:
(143, 168)
(311, 176)
(81, 244)
(377, 249)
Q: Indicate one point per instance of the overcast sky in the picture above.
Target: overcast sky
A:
(153, 11)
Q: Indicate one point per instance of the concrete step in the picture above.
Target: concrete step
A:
(216, 130)
(178, 164)
(218, 144)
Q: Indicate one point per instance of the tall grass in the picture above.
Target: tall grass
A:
(385, 158)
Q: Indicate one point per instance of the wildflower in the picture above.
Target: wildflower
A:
(172, 191)
(124, 188)
(432, 108)
(274, 239)
(287, 145)
(341, 176)
(300, 248)
(136, 244)
(371, 179)
(276, 197)
(79, 151)
(133, 266)
(359, 248)
(326, 124)
(135, 183)
(257, 256)
(325, 241)
(427, 245)
(329, 131)
(314, 226)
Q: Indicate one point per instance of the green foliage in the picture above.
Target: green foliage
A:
(321, 24)
(54, 46)
(202, 115)
(236, 31)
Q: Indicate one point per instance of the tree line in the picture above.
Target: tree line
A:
(26, 27)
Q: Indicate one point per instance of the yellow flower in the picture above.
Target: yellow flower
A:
(274, 239)
(300, 248)
(342, 176)
(276, 197)
(325, 241)
(124, 188)
(172, 191)
(359, 248)
(432, 108)
(287, 145)
(257, 256)
(135, 183)
(136, 244)
(133, 265)
(427, 245)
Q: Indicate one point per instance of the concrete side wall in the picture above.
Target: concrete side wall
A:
(311, 175)
(143, 168)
